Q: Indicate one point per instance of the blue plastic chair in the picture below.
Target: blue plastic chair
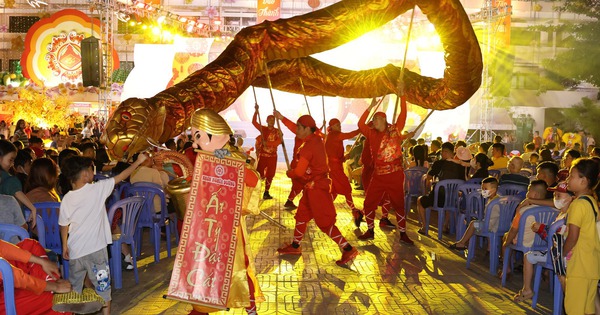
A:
(476, 180)
(9, 286)
(473, 208)
(40, 227)
(558, 292)
(450, 187)
(508, 205)
(150, 219)
(496, 173)
(118, 193)
(511, 190)
(130, 208)
(543, 215)
(100, 176)
(412, 185)
(49, 213)
(9, 231)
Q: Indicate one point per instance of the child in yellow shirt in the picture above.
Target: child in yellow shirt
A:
(582, 245)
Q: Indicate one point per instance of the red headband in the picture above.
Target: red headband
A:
(307, 121)
(380, 114)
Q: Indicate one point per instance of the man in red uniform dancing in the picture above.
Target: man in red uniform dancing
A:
(334, 147)
(385, 144)
(367, 173)
(271, 137)
(296, 183)
(316, 202)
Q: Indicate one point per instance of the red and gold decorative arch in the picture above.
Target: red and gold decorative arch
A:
(52, 52)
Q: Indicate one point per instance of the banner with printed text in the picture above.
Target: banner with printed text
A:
(268, 10)
(204, 261)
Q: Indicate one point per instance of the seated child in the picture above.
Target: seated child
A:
(489, 189)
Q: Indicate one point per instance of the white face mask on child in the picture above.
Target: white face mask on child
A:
(486, 193)
(560, 203)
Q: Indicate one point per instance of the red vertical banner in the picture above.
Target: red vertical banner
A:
(268, 10)
(204, 262)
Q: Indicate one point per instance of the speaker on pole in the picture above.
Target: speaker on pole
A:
(91, 61)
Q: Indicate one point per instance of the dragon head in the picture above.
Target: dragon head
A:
(130, 125)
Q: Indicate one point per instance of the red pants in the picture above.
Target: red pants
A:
(26, 301)
(367, 175)
(266, 167)
(340, 185)
(296, 189)
(391, 185)
(317, 204)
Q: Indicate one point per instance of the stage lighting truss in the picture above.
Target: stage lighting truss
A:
(140, 12)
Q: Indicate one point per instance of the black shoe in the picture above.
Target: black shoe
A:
(386, 223)
(358, 217)
(289, 205)
(267, 196)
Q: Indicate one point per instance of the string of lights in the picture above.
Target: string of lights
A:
(160, 20)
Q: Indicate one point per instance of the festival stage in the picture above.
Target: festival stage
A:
(386, 278)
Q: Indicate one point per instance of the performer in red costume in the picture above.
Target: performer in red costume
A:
(296, 183)
(334, 147)
(385, 143)
(367, 173)
(316, 202)
(266, 150)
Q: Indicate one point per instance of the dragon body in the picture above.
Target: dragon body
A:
(283, 48)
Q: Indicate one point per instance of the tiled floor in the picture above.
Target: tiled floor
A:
(387, 277)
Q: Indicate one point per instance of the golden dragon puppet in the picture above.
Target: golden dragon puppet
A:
(285, 46)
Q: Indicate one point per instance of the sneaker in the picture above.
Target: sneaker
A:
(347, 256)
(129, 267)
(386, 223)
(289, 250)
(404, 238)
(368, 235)
(358, 216)
(267, 196)
(289, 205)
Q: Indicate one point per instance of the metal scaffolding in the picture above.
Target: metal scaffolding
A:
(491, 14)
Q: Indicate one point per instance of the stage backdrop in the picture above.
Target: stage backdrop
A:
(52, 52)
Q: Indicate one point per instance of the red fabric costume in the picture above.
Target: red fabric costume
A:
(30, 279)
(267, 151)
(296, 184)
(316, 202)
(388, 175)
(334, 147)
(367, 173)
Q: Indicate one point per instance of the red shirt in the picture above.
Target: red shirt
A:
(375, 137)
(271, 136)
(334, 144)
(313, 150)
